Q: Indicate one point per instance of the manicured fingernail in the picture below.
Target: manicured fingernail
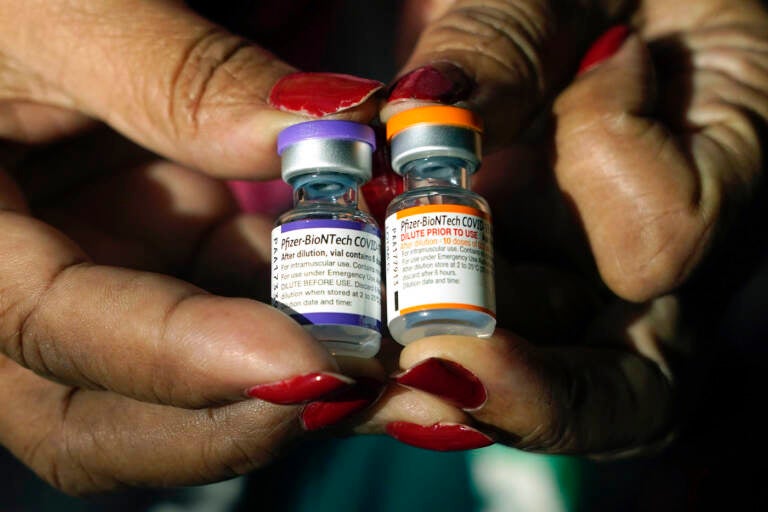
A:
(605, 46)
(442, 82)
(385, 183)
(320, 94)
(323, 413)
(300, 389)
(443, 437)
(446, 379)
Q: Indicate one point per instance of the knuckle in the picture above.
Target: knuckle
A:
(245, 448)
(572, 425)
(506, 36)
(739, 52)
(25, 290)
(60, 455)
(552, 433)
(174, 384)
(738, 133)
(212, 70)
(657, 254)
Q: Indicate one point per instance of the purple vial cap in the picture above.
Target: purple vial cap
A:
(325, 129)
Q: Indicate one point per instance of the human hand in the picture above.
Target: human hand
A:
(652, 155)
(696, 110)
(114, 372)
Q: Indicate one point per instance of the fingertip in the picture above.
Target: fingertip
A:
(321, 94)
(237, 344)
(446, 379)
(441, 81)
(500, 380)
(455, 347)
(621, 81)
(604, 47)
(411, 405)
(436, 83)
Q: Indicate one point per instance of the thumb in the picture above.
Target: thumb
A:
(501, 59)
(173, 81)
(637, 195)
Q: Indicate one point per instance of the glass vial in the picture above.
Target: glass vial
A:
(439, 245)
(326, 253)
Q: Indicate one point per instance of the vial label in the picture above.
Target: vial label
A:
(439, 257)
(328, 272)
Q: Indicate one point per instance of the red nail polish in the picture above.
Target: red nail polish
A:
(446, 379)
(605, 46)
(442, 437)
(320, 94)
(323, 413)
(385, 183)
(441, 82)
(300, 389)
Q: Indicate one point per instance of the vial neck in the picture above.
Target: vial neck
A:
(436, 172)
(325, 188)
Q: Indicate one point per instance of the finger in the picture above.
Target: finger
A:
(414, 16)
(422, 420)
(144, 335)
(586, 401)
(649, 201)
(152, 217)
(175, 82)
(52, 173)
(84, 442)
(345, 407)
(548, 397)
(502, 59)
(233, 259)
(26, 122)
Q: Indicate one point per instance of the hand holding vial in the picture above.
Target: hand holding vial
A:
(604, 204)
(121, 120)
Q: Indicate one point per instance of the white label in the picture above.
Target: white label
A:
(328, 271)
(439, 256)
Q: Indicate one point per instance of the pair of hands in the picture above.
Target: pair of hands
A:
(115, 372)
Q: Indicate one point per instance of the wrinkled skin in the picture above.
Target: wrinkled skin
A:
(118, 371)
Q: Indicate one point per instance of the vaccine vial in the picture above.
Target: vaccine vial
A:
(326, 253)
(438, 239)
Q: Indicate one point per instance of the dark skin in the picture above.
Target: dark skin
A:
(137, 376)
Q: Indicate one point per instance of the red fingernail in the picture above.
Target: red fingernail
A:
(320, 94)
(300, 389)
(385, 183)
(443, 437)
(605, 46)
(442, 82)
(446, 379)
(323, 413)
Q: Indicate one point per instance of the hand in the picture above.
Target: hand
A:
(654, 151)
(114, 372)
(647, 225)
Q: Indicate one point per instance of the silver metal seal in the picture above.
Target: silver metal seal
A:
(427, 140)
(349, 157)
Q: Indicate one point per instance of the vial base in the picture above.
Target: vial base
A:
(347, 340)
(413, 326)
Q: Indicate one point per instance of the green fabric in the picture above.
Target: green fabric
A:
(371, 474)
(379, 474)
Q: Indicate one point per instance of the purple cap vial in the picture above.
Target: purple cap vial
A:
(327, 146)
(325, 129)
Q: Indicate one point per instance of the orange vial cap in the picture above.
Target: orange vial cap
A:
(438, 114)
